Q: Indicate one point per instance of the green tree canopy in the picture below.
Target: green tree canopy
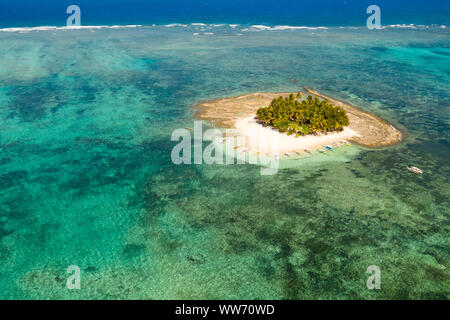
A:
(312, 115)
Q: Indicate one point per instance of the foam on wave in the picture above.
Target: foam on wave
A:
(414, 26)
(281, 28)
(202, 26)
(53, 28)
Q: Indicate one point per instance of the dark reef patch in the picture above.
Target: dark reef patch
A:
(13, 178)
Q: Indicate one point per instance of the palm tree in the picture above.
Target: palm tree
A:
(303, 117)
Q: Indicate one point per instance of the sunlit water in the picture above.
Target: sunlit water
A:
(86, 176)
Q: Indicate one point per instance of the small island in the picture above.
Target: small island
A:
(299, 122)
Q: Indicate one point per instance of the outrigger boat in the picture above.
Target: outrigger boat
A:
(415, 170)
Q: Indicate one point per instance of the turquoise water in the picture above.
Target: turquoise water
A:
(86, 176)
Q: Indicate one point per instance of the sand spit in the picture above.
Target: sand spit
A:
(239, 113)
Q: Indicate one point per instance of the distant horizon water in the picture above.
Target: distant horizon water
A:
(30, 13)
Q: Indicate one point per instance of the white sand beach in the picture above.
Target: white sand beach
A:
(270, 141)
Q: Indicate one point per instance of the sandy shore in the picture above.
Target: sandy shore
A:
(271, 141)
(239, 113)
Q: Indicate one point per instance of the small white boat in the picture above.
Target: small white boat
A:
(415, 170)
(298, 152)
(286, 154)
(344, 142)
(322, 150)
(307, 151)
(244, 150)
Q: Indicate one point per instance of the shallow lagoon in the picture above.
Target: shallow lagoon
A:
(86, 177)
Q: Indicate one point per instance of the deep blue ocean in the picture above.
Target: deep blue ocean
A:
(271, 12)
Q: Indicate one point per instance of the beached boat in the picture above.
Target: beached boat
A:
(415, 170)
(298, 152)
(307, 151)
(286, 154)
(322, 150)
(329, 148)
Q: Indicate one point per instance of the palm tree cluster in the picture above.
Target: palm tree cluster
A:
(312, 115)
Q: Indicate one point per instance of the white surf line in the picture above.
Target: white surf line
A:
(53, 28)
